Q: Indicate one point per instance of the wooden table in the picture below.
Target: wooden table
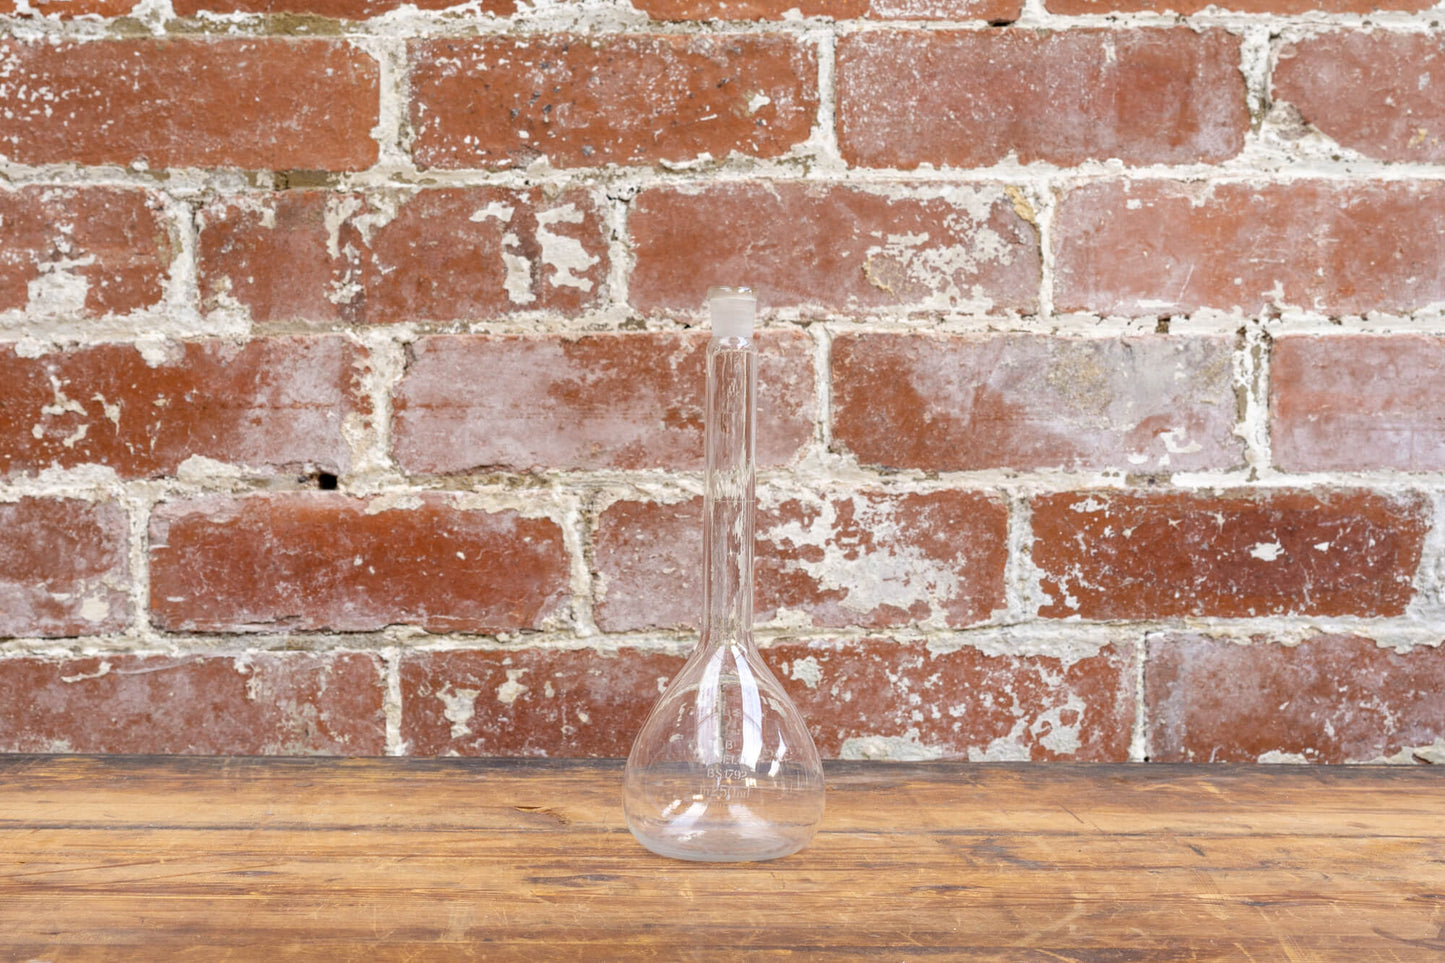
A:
(279, 859)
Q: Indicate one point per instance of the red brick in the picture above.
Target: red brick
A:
(1188, 7)
(262, 104)
(873, 560)
(624, 99)
(317, 561)
(64, 569)
(1357, 404)
(259, 703)
(83, 252)
(597, 401)
(1382, 94)
(1157, 248)
(443, 255)
(884, 699)
(528, 702)
(971, 98)
(1139, 555)
(337, 9)
(1333, 698)
(860, 698)
(1146, 403)
(69, 9)
(277, 404)
(917, 248)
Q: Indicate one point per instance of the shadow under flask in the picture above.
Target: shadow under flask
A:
(724, 769)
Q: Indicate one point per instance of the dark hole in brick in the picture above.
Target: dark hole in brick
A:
(326, 481)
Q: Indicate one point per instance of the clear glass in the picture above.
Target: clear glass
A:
(724, 768)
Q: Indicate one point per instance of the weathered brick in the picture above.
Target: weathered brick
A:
(878, 698)
(259, 703)
(1188, 7)
(972, 98)
(872, 560)
(1380, 93)
(83, 252)
(920, 248)
(528, 702)
(259, 104)
(442, 255)
(68, 9)
(1357, 404)
(315, 561)
(863, 698)
(622, 99)
(337, 9)
(631, 400)
(1145, 403)
(275, 404)
(1141, 555)
(1332, 698)
(64, 569)
(1156, 248)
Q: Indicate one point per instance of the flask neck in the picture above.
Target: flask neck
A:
(729, 499)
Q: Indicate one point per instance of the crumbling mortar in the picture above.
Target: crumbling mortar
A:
(393, 129)
(1023, 591)
(371, 441)
(1043, 198)
(822, 442)
(392, 701)
(1069, 640)
(620, 258)
(1139, 734)
(139, 500)
(1251, 384)
(821, 148)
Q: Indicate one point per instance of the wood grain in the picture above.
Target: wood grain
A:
(282, 859)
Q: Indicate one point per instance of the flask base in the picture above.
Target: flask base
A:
(723, 813)
(721, 844)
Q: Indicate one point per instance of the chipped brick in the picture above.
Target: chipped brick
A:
(1160, 248)
(440, 255)
(271, 405)
(873, 560)
(84, 251)
(1240, 554)
(323, 561)
(260, 703)
(1377, 92)
(1358, 403)
(1146, 403)
(1332, 698)
(908, 248)
(64, 568)
(968, 98)
(597, 401)
(493, 102)
(256, 104)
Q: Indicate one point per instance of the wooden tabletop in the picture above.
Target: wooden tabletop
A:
(280, 859)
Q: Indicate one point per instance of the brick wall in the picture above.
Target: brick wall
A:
(351, 371)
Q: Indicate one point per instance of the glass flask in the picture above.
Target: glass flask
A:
(724, 768)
